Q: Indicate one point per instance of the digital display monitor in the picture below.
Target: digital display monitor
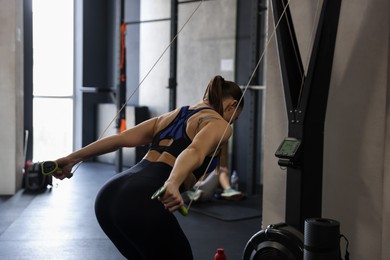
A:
(288, 148)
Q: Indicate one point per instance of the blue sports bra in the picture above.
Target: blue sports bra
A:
(176, 131)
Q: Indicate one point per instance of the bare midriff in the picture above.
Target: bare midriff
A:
(155, 156)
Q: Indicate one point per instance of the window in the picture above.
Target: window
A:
(52, 78)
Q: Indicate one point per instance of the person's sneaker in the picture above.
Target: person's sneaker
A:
(194, 195)
(231, 194)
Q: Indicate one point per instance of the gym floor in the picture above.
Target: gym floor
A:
(60, 223)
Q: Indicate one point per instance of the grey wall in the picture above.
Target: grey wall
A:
(11, 98)
(356, 169)
(206, 41)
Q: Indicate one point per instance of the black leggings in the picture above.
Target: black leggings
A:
(139, 227)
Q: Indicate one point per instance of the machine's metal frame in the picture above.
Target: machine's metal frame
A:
(306, 96)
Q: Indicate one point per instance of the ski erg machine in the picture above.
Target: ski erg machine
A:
(301, 152)
(306, 96)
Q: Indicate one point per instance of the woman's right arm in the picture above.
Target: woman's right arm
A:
(138, 135)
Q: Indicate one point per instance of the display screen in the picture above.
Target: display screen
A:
(288, 147)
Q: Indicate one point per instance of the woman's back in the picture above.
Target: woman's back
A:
(174, 132)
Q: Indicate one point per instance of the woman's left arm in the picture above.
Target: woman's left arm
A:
(204, 143)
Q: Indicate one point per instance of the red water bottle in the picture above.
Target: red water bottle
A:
(220, 255)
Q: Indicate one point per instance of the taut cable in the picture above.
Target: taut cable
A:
(239, 101)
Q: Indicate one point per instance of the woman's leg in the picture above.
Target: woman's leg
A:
(209, 186)
(139, 227)
(106, 213)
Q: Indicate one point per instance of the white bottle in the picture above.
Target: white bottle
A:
(234, 180)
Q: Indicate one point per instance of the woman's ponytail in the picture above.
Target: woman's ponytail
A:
(214, 93)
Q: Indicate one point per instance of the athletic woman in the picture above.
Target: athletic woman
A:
(183, 143)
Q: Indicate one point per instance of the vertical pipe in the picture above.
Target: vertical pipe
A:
(28, 75)
(121, 93)
(173, 56)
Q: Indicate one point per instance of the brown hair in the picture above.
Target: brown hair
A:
(218, 89)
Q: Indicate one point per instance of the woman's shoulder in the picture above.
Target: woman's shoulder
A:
(207, 112)
(206, 118)
(166, 118)
(170, 113)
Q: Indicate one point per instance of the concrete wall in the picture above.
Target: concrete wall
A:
(356, 171)
(206, 41)
(11, 98)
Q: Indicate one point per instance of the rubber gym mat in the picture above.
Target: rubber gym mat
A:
(226, 210)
